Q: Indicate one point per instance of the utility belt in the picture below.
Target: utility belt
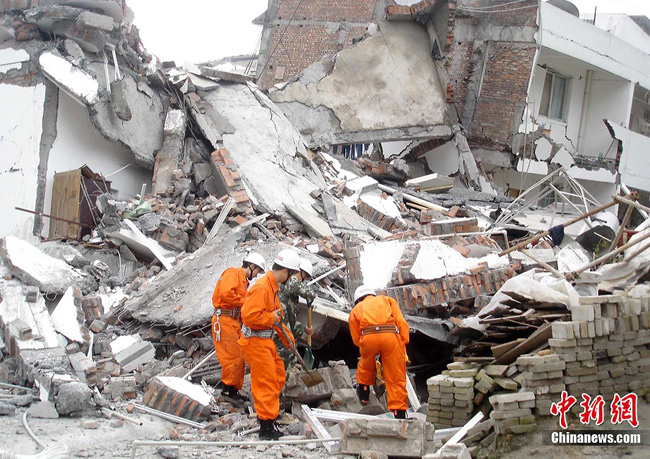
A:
(235, 313)
(372, 329)
(249, 332)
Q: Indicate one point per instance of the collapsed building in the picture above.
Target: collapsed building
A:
(422, 148)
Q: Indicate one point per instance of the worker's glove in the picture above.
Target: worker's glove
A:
(406, 356)
(310, 303)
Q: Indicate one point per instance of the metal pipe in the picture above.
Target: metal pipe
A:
(564, 225)
(53, 218)
(137, 443)
(323, 276)
(207, 357)
(167, 416)
(619, 233)
(544, 265)
(113, 414)
(13, 386)
(639, 251)
(596, 262)
(585, 107)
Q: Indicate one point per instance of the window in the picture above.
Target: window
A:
(554, 96)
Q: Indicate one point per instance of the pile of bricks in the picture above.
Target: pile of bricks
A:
(381, 168)
(605, 346)
(451, 397)
(458, 225)
(224, 168)
(543, 375)
(380, 219)
(512, 413)
(450, 288)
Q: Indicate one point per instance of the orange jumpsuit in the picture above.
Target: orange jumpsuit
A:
(228, 295)
(267, 368)
(390, 345)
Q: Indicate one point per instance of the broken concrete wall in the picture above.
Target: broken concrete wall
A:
(633, 158)
(81, 71)
(385, 88)
(78, 143)
(316, 28)
(267, 151)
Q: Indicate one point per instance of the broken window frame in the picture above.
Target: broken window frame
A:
(550, 110)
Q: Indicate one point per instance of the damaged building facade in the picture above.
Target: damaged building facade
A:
(76, 81)
(529, 83)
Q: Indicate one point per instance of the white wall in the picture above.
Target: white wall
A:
(608, 100)
(21, 126)
(78, 143)
(573, 37)
(623, 27)
(634, 159)
(561, 132)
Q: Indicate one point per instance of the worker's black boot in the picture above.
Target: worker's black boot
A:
(363, 392)
(269, 430)
(399, 414)
(231, 394)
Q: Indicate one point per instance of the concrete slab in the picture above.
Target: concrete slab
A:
(265, 148)
(15, 307)
(396, 438)
(134, 355)
(80, 84)
(35, 268)
(316, 226)
(65, 317)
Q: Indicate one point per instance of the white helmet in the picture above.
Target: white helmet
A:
(256, 259)
(288, 258)
(305, 265)
(361, 291)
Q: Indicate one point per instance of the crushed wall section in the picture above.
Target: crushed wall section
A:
(490, 60)
(303, 32)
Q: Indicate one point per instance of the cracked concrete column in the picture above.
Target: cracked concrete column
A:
(168, 156)
(50, 113)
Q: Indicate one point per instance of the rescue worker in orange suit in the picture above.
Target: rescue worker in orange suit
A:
(378, 327)
(227, 299)
(261, 317)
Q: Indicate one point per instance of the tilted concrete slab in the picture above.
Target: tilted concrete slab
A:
(34, 267)
(385, 88)
(268, 152)
(190, 283)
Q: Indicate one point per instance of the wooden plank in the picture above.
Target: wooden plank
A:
(540, 336)
(225, 210)
(499, 350)
(320, 430)
(66, 198)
